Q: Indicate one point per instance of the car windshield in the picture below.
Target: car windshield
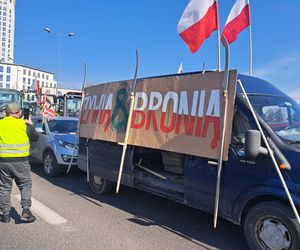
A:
(63, 126)
(7, 96)
(281, 114)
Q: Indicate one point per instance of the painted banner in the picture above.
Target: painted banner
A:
(179, 113)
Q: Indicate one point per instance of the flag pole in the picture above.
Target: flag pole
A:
(125, 143)
(219, 38)
(79, 118)
(225, 85)
(250, 43)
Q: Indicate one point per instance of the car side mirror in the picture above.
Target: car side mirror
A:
(253, 146)
(39, 130)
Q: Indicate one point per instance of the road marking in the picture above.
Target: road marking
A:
(44, 212)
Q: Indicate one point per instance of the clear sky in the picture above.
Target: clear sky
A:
(108, 32)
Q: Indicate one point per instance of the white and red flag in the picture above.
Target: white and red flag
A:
(198, 21)
(180, 69)
(238, 20)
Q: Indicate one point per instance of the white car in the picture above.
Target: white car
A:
(56, 143)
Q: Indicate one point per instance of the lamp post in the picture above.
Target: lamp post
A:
(59, 36)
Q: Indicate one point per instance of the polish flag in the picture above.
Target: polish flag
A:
(198, 21)
(238, 20)
(180, 70)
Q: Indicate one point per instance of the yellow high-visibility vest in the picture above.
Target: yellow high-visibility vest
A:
(14, 141)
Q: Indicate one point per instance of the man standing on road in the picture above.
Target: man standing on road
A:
(14, 151)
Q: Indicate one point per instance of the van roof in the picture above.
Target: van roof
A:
(254, 85)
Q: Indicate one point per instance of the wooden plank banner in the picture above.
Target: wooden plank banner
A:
(180, 113)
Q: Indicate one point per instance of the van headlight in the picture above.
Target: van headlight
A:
(66, 144)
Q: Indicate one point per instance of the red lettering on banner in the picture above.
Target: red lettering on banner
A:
(189, 124)
(164, 128)
(95, 116)
(198, 126)
(82, 120)
(216, 122)
(105, 113)
(139, 124)
(151, 115)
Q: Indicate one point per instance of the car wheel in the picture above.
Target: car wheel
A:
(271, 225)
(99, 185)
(50, 164)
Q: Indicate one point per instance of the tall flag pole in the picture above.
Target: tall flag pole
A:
(250, 42)
(197, 22)
(237, 21)
(219, 39)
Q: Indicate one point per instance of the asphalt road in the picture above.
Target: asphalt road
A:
(70, 216)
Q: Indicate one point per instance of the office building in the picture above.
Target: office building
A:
(7, 30)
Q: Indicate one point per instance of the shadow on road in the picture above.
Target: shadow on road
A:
(150, 210)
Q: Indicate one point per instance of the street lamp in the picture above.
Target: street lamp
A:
(59, 36)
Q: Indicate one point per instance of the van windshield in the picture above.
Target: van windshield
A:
(281, 114)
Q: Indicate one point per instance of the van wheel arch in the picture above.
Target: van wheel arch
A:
(253, 202)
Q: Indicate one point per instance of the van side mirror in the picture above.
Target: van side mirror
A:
(253, 144)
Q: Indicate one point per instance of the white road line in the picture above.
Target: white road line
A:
(44, 212)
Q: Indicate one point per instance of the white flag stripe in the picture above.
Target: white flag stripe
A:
(236, 10)
(190, 16)
(44, 212)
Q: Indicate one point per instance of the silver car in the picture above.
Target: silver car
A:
(55, 146)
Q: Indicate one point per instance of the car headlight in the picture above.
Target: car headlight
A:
(66, 144)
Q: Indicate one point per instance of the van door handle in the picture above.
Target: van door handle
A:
(214, 163)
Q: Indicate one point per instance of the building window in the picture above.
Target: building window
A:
(28, 81)
(50, 84)
(8, 78)
(47, 77)
(32, 98)
(39, 75)
(1, 77)
(1, 85)
(1, 68)
(23, 86)
(54, 85)
(24, 80)
(43, 84)
(24, 71)
(43, 76)
(8, 69)
(29, 72)
(7, 86)
(33, 73)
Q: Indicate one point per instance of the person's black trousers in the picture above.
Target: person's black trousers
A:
(21, 173)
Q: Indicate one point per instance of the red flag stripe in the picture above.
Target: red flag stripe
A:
(238, 24)
(195, 35)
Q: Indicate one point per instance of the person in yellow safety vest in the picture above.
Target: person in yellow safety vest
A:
(15, 133)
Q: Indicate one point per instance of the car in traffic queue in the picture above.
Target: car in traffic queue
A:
(56, 144)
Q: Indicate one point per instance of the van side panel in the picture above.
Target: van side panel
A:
(104, 159)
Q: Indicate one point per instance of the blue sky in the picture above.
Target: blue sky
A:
(108, 32)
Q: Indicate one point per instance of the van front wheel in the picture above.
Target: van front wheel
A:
(99, 185)
(271, 225)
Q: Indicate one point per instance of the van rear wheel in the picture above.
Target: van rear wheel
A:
(100, 185)
(271, 225)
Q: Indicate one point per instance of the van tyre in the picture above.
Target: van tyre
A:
(271, 225)
(50, 165)
(99, 185)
